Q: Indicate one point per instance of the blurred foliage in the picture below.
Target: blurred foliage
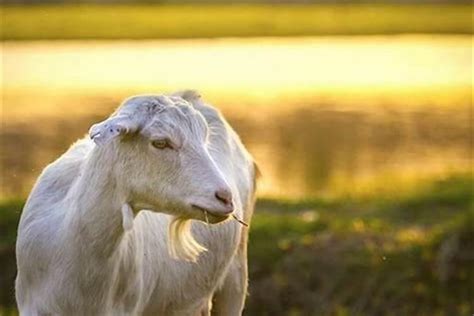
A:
(41, 22)
(387, 255)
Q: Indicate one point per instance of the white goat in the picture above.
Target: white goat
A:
(86, 245)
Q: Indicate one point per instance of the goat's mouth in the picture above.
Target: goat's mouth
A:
(211, 216)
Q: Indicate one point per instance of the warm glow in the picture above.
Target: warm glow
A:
(276, 78)
(250, 66)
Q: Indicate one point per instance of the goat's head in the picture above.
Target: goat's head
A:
(161, 159)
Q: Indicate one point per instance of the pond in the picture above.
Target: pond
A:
(321, 116)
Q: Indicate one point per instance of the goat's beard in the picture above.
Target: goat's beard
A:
(181, 243)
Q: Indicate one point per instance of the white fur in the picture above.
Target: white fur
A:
(92, 238)
(127, 217)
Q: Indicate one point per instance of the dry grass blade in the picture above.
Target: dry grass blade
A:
(240, 221)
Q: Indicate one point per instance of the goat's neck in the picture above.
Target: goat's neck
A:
(97, 221)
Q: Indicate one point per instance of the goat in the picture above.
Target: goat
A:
(94, 235)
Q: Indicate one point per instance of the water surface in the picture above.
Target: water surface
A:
(320, 115)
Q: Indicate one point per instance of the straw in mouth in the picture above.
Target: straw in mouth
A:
(233, 215)
(239, 220)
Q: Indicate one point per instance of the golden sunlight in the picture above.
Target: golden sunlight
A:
(253, 66)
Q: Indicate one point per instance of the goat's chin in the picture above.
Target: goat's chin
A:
(189, 212)
(214, 219)
(207, 216)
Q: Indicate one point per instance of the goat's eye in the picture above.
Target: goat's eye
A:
(161, 143)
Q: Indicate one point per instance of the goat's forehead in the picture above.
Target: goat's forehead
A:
(183, 119)
(148, 105)
(164, 111)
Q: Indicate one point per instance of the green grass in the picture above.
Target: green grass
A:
(44, 22)
(387, 255)
(390, 255)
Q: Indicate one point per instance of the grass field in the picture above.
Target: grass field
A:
(43, 22)
(387, 255)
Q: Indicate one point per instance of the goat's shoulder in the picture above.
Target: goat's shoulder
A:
(57, 178)
(41, 218)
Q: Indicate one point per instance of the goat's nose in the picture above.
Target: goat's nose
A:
(225, 196)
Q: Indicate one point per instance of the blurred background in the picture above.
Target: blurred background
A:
(358, 113)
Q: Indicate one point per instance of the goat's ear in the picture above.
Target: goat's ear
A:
(192, 96)
(103, 132)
